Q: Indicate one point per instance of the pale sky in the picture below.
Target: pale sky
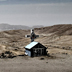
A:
(36, 12)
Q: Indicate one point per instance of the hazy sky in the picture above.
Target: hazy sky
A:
(36, 12)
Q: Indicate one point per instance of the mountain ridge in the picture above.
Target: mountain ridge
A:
(4, 27)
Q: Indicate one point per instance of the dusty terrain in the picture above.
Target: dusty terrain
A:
(58, 40)
(27, 64)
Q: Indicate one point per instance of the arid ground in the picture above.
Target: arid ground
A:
(57, 39)
(27, 64)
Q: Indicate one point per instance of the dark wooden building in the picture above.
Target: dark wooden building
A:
(35, 49)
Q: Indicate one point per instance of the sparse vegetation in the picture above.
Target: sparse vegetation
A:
(57, 39)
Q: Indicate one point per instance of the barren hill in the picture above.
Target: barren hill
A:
(65, 29)
(57, 38)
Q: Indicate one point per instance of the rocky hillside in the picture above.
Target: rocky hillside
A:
(12, 42)
(65, 29)
(59, 36)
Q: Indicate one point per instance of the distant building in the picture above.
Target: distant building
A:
(35, 49)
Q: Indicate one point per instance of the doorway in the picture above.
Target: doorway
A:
(38, 52)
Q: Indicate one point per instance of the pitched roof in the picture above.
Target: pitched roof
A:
(29, 46)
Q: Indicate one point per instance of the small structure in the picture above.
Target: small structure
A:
(35, 49)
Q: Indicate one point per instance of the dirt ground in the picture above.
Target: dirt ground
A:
(63, 63)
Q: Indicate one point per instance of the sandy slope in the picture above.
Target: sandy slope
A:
(15, 41)
(58, 39)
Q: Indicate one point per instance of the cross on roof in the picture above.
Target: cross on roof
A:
(32, 36)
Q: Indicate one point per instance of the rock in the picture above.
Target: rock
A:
(41, 58)
(46, 62)
(48, 55)
(63, 47)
